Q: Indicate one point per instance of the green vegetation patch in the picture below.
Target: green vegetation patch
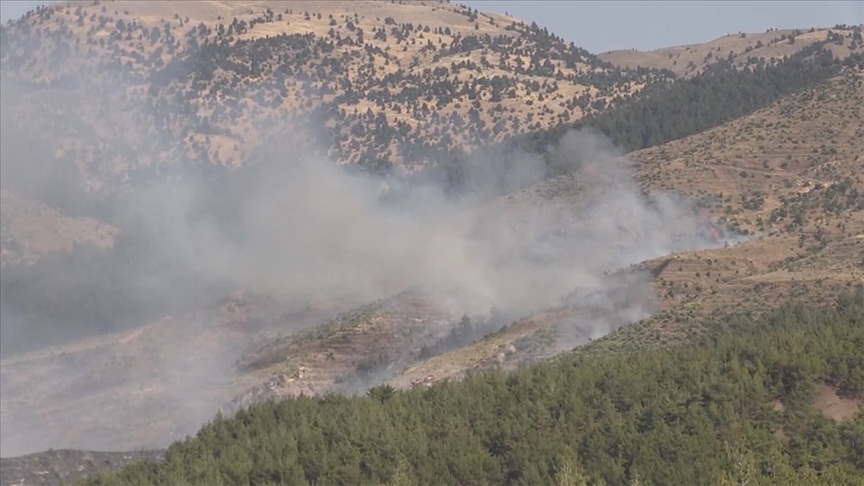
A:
(737, 405)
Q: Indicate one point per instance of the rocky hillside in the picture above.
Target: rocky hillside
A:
(65, 466)
(140, 89)
(741, 49)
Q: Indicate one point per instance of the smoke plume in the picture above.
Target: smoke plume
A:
(307, 229)
(300, 228)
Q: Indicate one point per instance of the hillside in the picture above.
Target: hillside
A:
(211, 204)
(412, 335)
(750, 404)
(118, 135)
(742, 49)
(788, 176)
(148, 90)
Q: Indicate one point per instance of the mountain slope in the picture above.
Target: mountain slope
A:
(688, 286)
(788, 175)
(746, 405)
(812, 260)
(104, 101)
(169, 97)
(374, 83)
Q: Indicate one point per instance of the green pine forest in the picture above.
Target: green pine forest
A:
(701, 414)
(721, 94)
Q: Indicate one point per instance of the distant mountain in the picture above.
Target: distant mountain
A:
(741, 49)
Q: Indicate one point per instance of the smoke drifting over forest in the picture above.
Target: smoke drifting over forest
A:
(300, 228)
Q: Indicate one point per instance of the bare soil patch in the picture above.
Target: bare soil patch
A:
(835, 407)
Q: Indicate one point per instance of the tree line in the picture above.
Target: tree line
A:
(735, 407)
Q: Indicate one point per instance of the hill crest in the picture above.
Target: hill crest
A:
(741, 49)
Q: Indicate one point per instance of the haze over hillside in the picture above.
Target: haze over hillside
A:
(802, 208)
(207, 205)
(311, 232)
(103, 101)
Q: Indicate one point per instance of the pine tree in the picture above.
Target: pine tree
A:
(569, 471)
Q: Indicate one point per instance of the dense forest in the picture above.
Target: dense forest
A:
(734, 408)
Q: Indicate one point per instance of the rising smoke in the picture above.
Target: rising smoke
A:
(308, 229)
(300, 228)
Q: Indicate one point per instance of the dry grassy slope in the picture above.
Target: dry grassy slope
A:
(794, 153)
(747, 168)
(801, 157)
(689, 60)
(348, 352)
(29, 229)
(223, 114)
(140, 388)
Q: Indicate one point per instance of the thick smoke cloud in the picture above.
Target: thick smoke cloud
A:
(307, 229)
(300, 228)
